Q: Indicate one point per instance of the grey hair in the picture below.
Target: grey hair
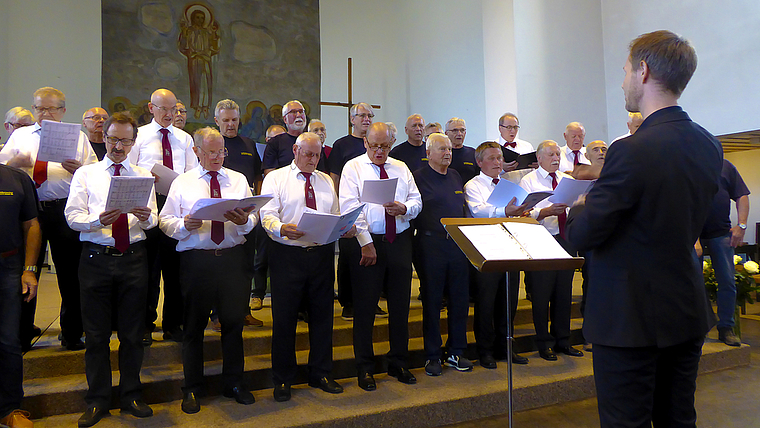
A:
(48, 91)
(355, 109)
(506, 115)
(307, 136)
(225, 105)
(455, 119)
(285, 106)
(392, 129)
(17, 113)
(205, 133)
(544, 144)
(436, 136)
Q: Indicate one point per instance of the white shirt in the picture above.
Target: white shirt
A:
(627, 134)
(521, 148)
(539, 180)
(26, 141)
(372, 219)
(148, 149)
(87, 200)
(186, 189)
(476, 192)
(288, 187)
(567, 158)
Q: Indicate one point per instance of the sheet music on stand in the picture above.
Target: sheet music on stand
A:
(127, 192)
(58, 141)
(514, 241)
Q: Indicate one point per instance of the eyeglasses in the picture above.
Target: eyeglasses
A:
(458, 130)
(97, 118)
(511, 127)
(379, 147)
(365, 115)
(164, 110)
(125, 142)
(214, 155)
(309, 155)
(297, 111)
(182, 111)
(51, 110)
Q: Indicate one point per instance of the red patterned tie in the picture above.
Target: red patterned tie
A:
(40, 173)
(217, 227)
(562, 218)
(166, 148)
(311, 201)
(577, 160)
(390, 221)
(120, 228)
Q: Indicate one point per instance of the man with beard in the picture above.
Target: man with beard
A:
(279, 151)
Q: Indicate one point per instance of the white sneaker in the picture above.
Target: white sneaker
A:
(459, 362)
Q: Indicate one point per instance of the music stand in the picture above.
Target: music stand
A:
(483, 265)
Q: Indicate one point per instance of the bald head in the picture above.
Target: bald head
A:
(306, 151)
(163, 106)
(595, 152)
(93, 120)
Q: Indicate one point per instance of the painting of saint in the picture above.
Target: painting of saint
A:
(199, 40)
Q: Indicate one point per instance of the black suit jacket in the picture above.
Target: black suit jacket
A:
(640, 222)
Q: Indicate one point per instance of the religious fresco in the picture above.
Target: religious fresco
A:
(259, 53)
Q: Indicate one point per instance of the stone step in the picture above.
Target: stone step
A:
(452, 398)
(48, 359)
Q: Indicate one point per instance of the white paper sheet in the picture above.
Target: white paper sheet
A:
(165, 178)
(260, 149)
(539, 243)
(493, 242)
(379, 191)
(214, 208)
(568, 190)
(323, 228)
(58, 141)
(126, 193)
(506, 190)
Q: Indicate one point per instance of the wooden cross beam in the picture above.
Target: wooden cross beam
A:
(350, 98)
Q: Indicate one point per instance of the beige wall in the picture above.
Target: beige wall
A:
(747, 163)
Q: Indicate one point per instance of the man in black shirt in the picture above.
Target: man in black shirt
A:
(279, 151)
(442, 262)
(243, 158)
(462, 157)
(93, 120)
(20, 238)
(412, 151)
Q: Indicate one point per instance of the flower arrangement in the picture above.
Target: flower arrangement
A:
(745, 283)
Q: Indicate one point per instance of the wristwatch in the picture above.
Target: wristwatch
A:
(742, 226)
(32, 269)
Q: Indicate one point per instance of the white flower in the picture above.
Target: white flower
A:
(705, 265)
(751, 267)
(737, 259)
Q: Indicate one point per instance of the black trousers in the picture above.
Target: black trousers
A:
(11, 360)
(106, 279)
(345, 290)
(260, 260)
(65, 250)
(214, 279)
(552, 300)
(301, 274)
(163, 261)
(445, 268)
(643, 387)
(491, 311)
(394, 267)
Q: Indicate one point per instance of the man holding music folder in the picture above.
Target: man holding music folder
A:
(113, 267)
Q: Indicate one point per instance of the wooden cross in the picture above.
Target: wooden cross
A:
(350, 99)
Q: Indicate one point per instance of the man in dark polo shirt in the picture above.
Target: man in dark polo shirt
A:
(443, 264)
(20, 238)
(93, 120)
(279, 151)
(243, 158)
(462, 157)
(412, 151)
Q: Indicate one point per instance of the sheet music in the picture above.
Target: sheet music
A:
(536, 240)
(568, 190)
(127, 192)
(379, 191)
(58, 141)
(214, 208)
(165, 177)
(323, 228)
(506, 190)
(493, 242)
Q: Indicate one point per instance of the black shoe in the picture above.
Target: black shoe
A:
(282, 392)
(92, 416)
(190, 403)
(347, 314)
(380, 313)
(303, 316)
(138, 409)
(433, 367)
(74, 346)
(240, 395)
(147, 339)
(175, 334)
(403, 375)
(327, 385)
(727, 336)
(568, 350)
(488, 361)
(547, 354)
(366, 381)
(519, 359)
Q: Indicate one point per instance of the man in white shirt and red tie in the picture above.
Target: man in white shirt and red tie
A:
(113, 271)
(381, 253)
(551, 287)
(573, 152)
(212, 266)
(53, 181)
(161, 142)
(300, 271)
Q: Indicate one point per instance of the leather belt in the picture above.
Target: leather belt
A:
(442, 235)
(111, 251)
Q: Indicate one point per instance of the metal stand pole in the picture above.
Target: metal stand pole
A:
(509, 354)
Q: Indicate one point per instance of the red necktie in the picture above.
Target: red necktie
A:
(512, 144)
(390, 221)
(217, 227)
(120, 228)
(562, 218)
(577, 160)
(40, 173)
(311, 201)
(495, 181)
(166, 148)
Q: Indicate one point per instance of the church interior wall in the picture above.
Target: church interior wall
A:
(746, 163)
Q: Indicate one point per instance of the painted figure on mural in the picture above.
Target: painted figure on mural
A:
(199, 41)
